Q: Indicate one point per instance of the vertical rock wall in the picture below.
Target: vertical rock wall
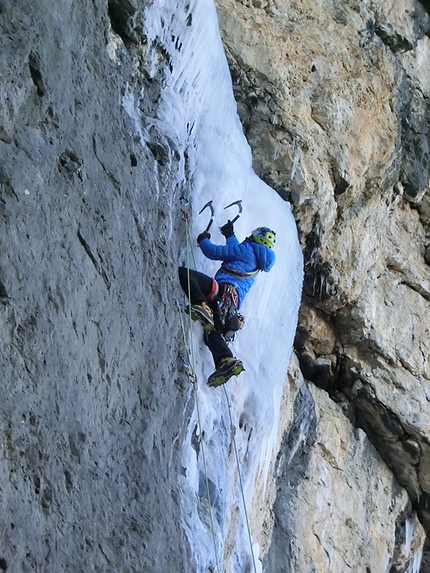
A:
(337, 506)
(342, 89)
(92, 394)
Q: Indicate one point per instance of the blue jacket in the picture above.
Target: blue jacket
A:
(243, 257)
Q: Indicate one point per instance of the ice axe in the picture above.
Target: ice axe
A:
(239, 204)
(211, 207)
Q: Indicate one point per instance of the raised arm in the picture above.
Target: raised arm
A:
(231, 251)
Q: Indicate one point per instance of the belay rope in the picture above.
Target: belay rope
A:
(193, 378)
(233, 431)
(191, 370)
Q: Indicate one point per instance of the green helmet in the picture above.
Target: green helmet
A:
(264, 236)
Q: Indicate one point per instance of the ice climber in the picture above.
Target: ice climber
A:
(215, 301)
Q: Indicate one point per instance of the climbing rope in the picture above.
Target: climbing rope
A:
(190, 357)
(191, 372)
(233, 432)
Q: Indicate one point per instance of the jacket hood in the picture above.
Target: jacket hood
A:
(264, 255)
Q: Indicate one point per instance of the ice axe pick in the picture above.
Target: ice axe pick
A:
(239, 204)
(211, 207)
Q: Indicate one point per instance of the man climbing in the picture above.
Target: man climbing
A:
(215, 301)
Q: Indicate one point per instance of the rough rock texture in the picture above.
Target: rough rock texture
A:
(335, 101)
(337, 506)
(331, 503)
(93, 401)
(88, 453)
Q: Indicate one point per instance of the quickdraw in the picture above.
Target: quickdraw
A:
(227, 310)
(227, 304)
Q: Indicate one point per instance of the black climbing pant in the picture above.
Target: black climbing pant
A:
(214, 340)
(202, 289)
(201, 286)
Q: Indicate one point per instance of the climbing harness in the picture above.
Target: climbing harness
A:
(236, 273)
(227, 305)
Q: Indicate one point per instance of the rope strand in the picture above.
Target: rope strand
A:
(190, 355)
(233, 431)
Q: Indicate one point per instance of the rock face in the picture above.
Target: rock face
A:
(337, 506)
(88, 466)
(334, 100)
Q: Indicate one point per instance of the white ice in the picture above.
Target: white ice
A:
(414, 565)
(199, 114)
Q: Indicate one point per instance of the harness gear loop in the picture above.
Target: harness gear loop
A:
(227, 313)
(227, 304)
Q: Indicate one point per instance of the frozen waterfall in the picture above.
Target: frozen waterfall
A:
(198, 113)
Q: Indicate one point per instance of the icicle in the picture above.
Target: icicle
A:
(409, 530)
(322, 280)
(415, 563)
(295, 164)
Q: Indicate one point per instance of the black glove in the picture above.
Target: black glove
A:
(204, 235)
(227, 229)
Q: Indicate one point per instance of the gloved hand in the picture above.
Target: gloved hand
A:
(227, 230)
(204, 235)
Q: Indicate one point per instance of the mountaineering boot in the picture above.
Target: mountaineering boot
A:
(204, 314)
(229, 367)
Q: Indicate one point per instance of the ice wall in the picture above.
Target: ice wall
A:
(198, 112)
